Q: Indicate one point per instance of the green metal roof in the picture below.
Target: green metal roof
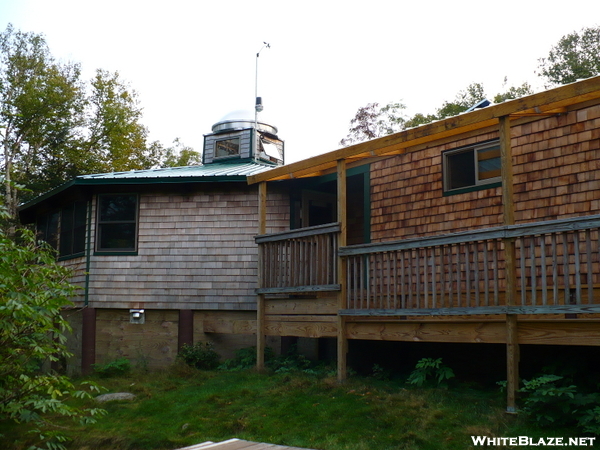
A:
(224, 171)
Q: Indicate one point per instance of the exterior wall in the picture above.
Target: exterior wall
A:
(147, 346)
(245, 144)
(195, 251)
(555, 166)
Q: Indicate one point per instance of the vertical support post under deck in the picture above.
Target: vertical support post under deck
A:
(512, 338)
(88, 339)
(342, 341)
(260, 301)
(185, 333)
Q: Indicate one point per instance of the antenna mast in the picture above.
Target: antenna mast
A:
(258, 107)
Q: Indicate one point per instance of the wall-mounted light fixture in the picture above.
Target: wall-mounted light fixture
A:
(137, 316)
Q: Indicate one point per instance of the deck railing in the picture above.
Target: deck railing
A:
(557, 270)
(299, 260)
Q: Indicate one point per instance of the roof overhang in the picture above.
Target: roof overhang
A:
(554, 101)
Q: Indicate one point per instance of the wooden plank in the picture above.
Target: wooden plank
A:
(229, 326)
(512, 363)
(315, 306)
(299, 233)
(567, 332)
(301, 318)
(299, 289)
(312, 329)
(478, 332)
(492, 233)
(342, 218)
(458, 311)
(508, 218)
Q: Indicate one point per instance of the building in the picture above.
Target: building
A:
(164, 257)
(479, 228)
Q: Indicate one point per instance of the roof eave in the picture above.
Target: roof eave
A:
(543, 102)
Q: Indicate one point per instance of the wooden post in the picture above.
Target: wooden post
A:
(186, 328)
(508, 212)
(88, 340)
(260, 301)
(342, 341)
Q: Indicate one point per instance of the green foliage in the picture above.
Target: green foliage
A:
(379, 373)
(173, 411)
(576, 55)
(200, 355)
(245, 358)
(552, 401)
(428, 369)
(117, 139)
(513, 92)
(40, 107)
(291, 362)
(33, 292)
(373, 121)
(179, 155)
(116, 368)
(54, 126)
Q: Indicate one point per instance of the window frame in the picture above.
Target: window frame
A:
(98, 250)
(72, 231)
(234, 155)
(479, 183)
(51, 228)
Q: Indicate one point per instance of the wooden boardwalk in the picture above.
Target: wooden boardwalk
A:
(238, 444)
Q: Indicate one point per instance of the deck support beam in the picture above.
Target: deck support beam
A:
(508, 211)
(342, 216)
(260, 300)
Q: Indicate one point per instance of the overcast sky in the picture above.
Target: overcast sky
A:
(192, 62)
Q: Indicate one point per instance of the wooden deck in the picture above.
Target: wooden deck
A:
(238, 444)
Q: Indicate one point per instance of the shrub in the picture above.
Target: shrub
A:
(427, 369)
(551, 401)
(200, 355)
(116, 368)
(245, 358)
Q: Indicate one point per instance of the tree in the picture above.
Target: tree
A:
(513, 92)
(472, 95)
(40, 108)
(371, 122)
(178, 155)
(54, 126)
(33, 292)
(575, 56)
(117, 139)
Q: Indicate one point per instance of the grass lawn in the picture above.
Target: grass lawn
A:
(182, 406)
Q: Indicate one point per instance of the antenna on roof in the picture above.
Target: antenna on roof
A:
(258, 106)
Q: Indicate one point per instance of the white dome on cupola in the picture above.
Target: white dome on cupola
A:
(241, 119)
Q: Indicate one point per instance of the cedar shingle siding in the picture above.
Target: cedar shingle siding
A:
(555, 164)
(195, 251)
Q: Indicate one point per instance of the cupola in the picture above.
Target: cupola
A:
(238, 135)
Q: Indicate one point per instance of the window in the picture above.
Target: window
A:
(65, 229)
(471, 167)
(227, 147)
(72, 229)
(117, 223)
(47, 228)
